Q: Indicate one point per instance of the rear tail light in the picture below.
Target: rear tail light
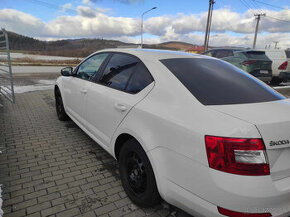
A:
(231, 213)
(283, 66)
(246, 63)
(237, 156)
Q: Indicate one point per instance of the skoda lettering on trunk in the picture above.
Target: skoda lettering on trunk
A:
(280, 142)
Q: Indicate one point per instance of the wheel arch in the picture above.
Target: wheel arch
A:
(119, 142)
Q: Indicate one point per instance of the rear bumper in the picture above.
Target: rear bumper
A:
(285, 76)
(199, 190)
(197, 206)
(262, 76)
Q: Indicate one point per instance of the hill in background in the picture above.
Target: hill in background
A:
(77, 47)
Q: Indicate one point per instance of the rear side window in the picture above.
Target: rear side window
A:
(223, 53)
(140, 79)
(214, 82)
(255, 54)
(118, 71)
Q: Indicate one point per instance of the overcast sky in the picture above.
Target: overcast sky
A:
(183, 20)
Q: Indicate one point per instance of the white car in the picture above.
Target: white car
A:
(280, 65)
(190, 129)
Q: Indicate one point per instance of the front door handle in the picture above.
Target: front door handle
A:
(120, 107)
(84, 91)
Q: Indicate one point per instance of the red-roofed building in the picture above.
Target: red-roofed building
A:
(195, 49)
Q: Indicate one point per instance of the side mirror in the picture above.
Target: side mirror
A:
(68, 71)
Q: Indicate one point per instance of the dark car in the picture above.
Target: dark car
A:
(252, 61)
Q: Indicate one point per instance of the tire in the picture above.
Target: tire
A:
(61, 114)
(276, 81)
(137, 175)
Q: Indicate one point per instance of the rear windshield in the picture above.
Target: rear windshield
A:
(255, 54)
(214, 82)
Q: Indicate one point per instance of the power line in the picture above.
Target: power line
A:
(274, 6)
(255, 6)
(247, 6)
(50, 5)
(288, 21)
(254, 1)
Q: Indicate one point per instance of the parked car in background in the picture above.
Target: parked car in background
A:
(222, 52)
(280, 65)
(196, 131)
(254, 62)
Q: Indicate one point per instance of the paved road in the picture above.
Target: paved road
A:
(52, 168)
(36, 69)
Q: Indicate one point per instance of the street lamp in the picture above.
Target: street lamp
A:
(142, 25)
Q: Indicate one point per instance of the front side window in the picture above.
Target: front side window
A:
(214, 82)
(91, 66)
(119, 70)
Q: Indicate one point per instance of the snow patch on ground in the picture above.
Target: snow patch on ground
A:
(36, 57)
(41, 85)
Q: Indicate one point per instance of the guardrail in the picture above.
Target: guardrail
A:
(6, 78)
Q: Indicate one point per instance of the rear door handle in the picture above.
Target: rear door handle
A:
(84, 91)
(120, 107)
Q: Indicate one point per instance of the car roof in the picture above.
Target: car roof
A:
(154, 53)
(227, 48)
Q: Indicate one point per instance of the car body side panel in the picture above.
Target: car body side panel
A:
(172, 134)
(102, 117)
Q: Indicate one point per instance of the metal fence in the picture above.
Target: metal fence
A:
(6, 79)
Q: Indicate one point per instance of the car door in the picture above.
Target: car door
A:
(76, 86)
(125, 81)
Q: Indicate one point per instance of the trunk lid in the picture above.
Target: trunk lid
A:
(258, 63)
(272, 120)
(264, 64)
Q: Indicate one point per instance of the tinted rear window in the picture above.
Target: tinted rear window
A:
(255, 54)
(140, 79)
(214, 82)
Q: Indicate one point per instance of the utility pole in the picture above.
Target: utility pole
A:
(208, 24)
(257, 27)
(276, 42)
